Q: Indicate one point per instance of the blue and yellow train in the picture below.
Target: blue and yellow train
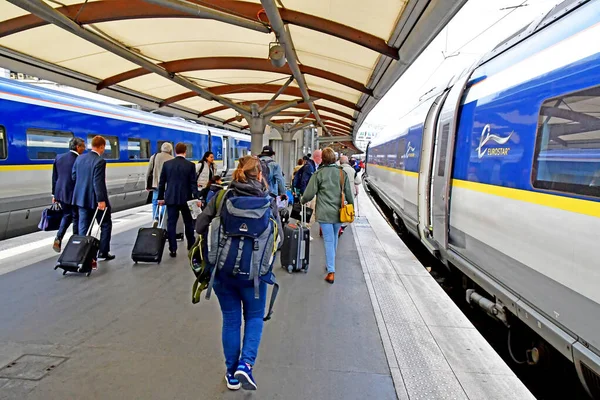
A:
(36, 124)
(498, 175)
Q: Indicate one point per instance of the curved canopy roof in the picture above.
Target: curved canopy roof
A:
(209, 59)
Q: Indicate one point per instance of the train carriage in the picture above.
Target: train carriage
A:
(504, 185)
(36, 124)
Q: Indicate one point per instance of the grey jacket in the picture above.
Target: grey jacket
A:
(155, 166)
(352, 174)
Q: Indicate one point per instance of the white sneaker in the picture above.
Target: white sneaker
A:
(311, 238)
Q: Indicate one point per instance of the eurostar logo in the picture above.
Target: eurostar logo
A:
(243, 228)
(486, 137)
(410, 151)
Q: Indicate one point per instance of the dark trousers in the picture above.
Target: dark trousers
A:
(172, 217)
(70, 215)
(85, 219)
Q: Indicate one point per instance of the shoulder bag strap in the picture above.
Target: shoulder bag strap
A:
(342, 185)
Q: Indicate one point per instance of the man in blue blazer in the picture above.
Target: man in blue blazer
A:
(177, 185)
(62, 189)
(90, 192)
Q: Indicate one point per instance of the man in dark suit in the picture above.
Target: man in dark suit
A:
(179, 177)
(62, 189)
(90, 192)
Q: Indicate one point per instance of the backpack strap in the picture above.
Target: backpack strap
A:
(219, 204)
(273, 297)
(200, 170)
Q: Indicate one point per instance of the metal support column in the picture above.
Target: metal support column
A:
(257, 125)
(286, 139)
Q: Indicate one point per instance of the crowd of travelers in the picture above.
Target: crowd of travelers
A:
(239, 227)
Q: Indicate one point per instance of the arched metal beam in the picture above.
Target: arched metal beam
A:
(116, 10)
(311, 116)
(330, 125)
(261, 103)
(243, 63)
(260, 88)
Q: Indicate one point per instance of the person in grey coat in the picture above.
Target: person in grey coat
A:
(153, 175)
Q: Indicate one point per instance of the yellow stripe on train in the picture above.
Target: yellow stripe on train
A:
(580, 206)
(40, 167)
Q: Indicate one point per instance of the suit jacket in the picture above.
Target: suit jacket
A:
(177, 183)
(62, 181)
(89, 174)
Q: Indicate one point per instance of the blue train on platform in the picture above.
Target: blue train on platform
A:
(497, 173)
(36, 124)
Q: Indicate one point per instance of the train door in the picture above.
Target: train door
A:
(442, 165)
(425, 168)
(225, 153)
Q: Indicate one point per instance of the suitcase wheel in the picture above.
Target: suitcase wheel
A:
(64, 272)
(290, 269)
(135, 262)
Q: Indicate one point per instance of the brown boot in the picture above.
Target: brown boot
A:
(56, 246)
(330, 277)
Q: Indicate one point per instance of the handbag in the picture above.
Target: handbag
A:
(51, 218)
(347, 210)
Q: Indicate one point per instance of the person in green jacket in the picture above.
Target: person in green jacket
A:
(326, 185)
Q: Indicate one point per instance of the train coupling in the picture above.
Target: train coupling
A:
(495, 310)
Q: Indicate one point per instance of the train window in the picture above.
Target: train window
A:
(189, 154)
(138, 149)
(111, 151)
(567, 153)
(3, 145)
(46, 144)
(442, 149)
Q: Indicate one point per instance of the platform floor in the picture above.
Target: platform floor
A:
(130, 331)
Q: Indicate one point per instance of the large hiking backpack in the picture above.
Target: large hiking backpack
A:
(242, 240)
(267, 172)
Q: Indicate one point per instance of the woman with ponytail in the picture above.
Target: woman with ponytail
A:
(233, 294)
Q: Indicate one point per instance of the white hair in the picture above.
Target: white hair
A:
(167, 148)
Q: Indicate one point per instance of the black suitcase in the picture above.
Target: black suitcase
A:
(295, 251)
(149, 244)
(80, 252)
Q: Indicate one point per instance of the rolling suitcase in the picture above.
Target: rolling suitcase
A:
(81, 251)
(295, 250)
(150, 244)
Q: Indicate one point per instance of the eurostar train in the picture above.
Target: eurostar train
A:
(498, 175)
(36, 125)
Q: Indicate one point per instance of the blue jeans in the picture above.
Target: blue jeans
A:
(330, 237)
(155, 216)
(232, 296)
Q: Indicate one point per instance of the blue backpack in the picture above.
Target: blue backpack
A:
(242, 241)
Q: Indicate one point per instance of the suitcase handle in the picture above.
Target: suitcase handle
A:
(161, 218)
(99, 224)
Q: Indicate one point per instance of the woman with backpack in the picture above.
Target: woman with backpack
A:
(326, 183)
(235, 293)
(205, 169)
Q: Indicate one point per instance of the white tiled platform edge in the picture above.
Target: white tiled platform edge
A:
(433, 350)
